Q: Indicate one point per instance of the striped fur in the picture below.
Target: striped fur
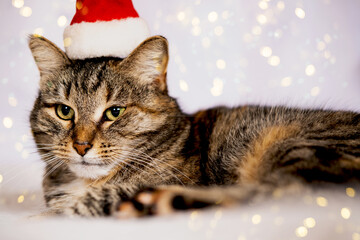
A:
(211, 155)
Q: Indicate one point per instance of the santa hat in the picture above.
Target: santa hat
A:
(103, 28)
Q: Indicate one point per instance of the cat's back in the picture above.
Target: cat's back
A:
(245, 122)
(237, 135)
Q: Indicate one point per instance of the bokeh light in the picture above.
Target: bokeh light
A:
(230, 53)
(274, 61)
(18, 3)
(309, 222)
(310, 70)
(350, 192)
(183, 85)
(266, 51)
(8, 122)
(213, 16)
(300, 13)
(21, 199)
(345, 213)
(301, 232)
(256, 219)
(321, 201)
(62, 20)
(25, 11)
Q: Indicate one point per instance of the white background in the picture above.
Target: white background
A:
(215, 55)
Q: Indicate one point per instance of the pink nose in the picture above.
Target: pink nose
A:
(82, 147)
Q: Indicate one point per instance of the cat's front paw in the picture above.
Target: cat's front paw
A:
(165, 200)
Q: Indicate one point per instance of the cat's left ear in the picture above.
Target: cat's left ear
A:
(148, 62)
(48, 57)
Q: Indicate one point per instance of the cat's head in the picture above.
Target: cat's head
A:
(103, 115)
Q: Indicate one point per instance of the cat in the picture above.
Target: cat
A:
(115, 143)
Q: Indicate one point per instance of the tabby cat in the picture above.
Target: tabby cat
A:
(114, 141)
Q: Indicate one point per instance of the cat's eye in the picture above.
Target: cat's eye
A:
(113, 113)
(64, 112)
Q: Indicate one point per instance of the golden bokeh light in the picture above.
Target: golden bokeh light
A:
(21, 199)
(25, 11)
(300, 13)
(67, 42)
(62, 20)
(183, 85)
(263, 5)
(355, 236)
(181, 16)
(274, 61)
(266, 51)
(262, 19)
(256, 219)
(38, 31)
(345, 213)
(350, 192)
(221, 64)
(8, 122)
(301, 232)
(12, 101)
(310, 70)
(309, 222)
(217, 88)
(18, 3)
(321, 201)
(213, 16)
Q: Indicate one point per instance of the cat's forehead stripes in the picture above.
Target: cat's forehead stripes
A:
(87, 77)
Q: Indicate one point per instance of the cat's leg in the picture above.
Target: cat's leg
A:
(67, 194)
(286, 167)
(168, 199)
(76, 199)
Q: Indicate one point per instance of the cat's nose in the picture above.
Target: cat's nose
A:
(82, 147)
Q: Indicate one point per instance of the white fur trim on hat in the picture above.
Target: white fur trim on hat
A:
(116, 38)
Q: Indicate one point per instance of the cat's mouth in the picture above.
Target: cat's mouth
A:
(84, 163)
(89, 170)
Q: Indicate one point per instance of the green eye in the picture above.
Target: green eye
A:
(113, 113)
(64, 112)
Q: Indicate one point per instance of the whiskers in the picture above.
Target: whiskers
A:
(131, 157)
(54, 163)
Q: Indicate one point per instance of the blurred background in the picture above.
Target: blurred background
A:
(229, 52)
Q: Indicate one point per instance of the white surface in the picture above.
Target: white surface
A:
(279, 218)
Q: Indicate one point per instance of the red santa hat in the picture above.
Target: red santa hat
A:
(103, 28)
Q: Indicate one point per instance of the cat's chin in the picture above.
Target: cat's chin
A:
(90, 171)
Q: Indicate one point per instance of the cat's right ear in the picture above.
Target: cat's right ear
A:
(148, 62)
(48, 57)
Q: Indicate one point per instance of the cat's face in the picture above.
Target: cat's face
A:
(98, 115)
